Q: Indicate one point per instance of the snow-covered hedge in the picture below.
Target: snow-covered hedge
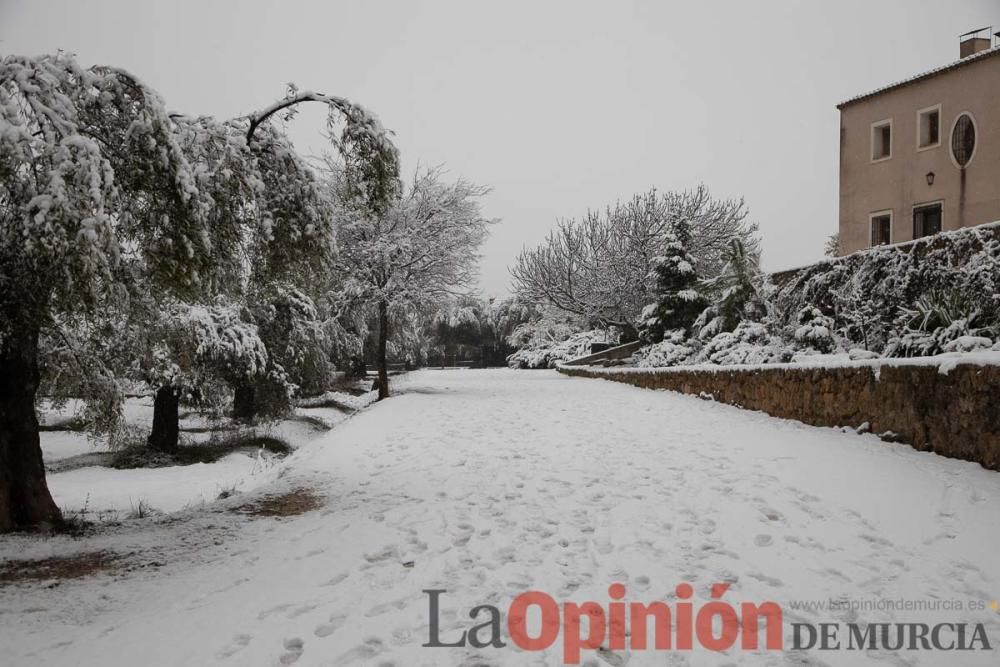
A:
(868, 294)
(934, 295)
(748, 343)
(547, 354)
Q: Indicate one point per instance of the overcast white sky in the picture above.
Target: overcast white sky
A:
(559, 106)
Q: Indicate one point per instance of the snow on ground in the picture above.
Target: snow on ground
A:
(96, 492)
(490, 483)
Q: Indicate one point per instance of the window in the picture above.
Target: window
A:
(882, 140)
(926, 219)
(881, 225)
(963, 140)
(929, 127)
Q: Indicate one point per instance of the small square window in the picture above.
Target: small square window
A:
(881, 229)
(882, 140)
(929, 127)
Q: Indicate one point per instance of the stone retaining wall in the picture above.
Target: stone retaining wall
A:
(955, 414)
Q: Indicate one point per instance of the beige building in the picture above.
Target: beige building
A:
(923, 155)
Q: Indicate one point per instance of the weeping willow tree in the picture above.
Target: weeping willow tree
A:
(153, 229)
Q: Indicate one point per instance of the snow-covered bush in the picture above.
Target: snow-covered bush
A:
(748, 343)
(547, 354)
(675, 349)
(969, 344)
(814, 330)
(942, 323)
(868, 292)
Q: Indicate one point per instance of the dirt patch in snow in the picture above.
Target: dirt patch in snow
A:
(59, 567)
(292, 503)
(202, 452)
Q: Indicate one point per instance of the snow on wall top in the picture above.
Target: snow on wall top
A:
(925, 75)
(945, 363)
(892, 247)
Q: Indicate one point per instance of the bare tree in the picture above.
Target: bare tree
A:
(599, 267)
(422, 249)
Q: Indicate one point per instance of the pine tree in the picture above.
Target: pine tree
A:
(678, 302)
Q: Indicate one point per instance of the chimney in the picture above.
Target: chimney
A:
(975, 41)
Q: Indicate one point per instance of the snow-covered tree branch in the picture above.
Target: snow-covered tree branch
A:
(421, 250)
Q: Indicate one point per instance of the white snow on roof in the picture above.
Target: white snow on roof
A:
(938, 70)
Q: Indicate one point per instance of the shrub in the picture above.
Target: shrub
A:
(673, 350)
(748, 343)
(942, 322)
(547, 354)
(814, 330)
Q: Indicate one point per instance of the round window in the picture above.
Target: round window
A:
(963, 140)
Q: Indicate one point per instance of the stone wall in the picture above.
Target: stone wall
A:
(954, 413)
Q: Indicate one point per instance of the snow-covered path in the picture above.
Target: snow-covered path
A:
(490, 483)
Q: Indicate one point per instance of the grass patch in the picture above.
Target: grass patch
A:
(74, 424)
(59, 567)
(202, 452)
(326, 402)
(310, 420)
(292, 503)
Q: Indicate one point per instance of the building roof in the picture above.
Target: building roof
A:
(926, 75)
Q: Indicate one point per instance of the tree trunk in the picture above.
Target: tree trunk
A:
(166, 426)
(383, 338)
(25, 500)
(244, 403)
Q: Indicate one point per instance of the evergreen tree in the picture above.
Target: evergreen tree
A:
(737, 294)
(678, 302)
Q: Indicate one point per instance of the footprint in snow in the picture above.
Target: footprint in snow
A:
(770, 514)
(763, 540)
(763, 578)
(273, 610)
(331, 626)
(335, 580)
(387, 552)
(401, 635)
(239, 641)
(613, 657)
(370, 648)
(293, 650)
(298, 611)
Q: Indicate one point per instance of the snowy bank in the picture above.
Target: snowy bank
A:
(944, 404)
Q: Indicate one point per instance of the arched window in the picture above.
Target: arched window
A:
(963, 140)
